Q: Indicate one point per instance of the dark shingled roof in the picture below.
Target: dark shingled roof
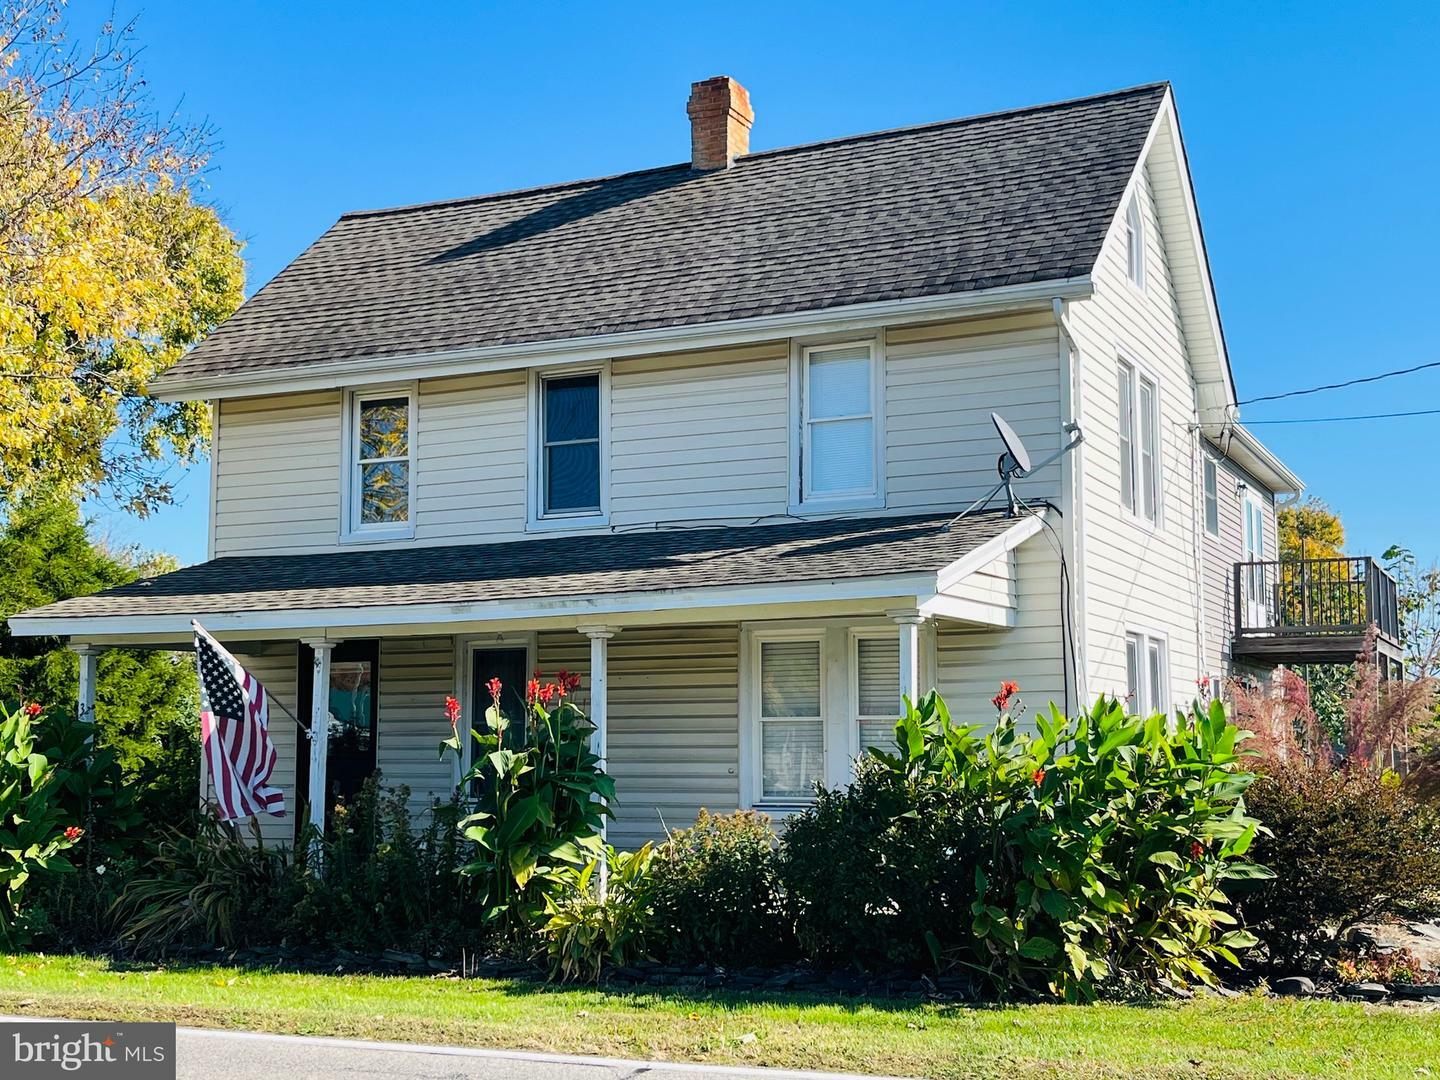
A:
(652, 560)
(1003, 199)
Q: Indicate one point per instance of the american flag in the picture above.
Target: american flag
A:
(235, 733)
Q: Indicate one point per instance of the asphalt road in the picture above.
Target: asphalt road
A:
(204, 1054)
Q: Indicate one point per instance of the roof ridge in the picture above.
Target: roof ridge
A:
(772, 152)
(959, 120)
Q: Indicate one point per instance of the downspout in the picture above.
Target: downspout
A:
(1072, 503)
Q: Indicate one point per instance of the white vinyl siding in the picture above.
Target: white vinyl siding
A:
(877, 689)
(415, 676)
(839, 461)
(1224, 549)
(674, 722)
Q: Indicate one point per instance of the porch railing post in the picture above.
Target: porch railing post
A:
(319, 729)
(600, 716)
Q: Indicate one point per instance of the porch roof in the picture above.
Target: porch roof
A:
(551, 576)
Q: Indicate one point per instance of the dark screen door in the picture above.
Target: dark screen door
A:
(509, 666)
(351, 720)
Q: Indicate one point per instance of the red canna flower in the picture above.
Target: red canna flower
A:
(34, 708)
(532, 691)
(547, 693)
(1008, 690)
(571, 679)
(74, 832)
(1038, 776)
(494, 687)
(1197, 850)
(452, 711)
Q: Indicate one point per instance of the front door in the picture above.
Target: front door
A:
(509, 664)
(350, 720)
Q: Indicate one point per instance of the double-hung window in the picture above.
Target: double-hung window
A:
(379, 464)
(1147, 673)
(569, 428)
(1139, 425)
(877, 689)
(1212, 497)
(839, 458)
(791, 712)
(1134, 243)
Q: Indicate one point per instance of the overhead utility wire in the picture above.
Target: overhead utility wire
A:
(1341, 385)
(1340, 419)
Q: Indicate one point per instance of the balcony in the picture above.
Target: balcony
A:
(1313, 611)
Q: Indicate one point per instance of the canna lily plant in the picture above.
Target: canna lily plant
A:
(540, 799)
(1111, 836)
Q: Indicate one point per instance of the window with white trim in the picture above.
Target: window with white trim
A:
(569, 429)
(877, 689)
(1135, 243)
(380, 469)
(1212, 497)
(790, 712)
(1147, 673)
(840, 391)
(1139, 426)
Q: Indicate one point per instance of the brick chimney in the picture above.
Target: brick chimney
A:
(720, 119)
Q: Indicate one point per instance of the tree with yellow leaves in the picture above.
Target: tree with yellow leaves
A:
(109, 268)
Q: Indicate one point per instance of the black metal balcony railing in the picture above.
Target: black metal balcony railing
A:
(1315, 597)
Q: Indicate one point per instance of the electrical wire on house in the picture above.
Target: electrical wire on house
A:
(1068, 659)
(1341, 385)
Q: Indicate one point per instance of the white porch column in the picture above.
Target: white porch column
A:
(909, 620)
(85, 706)
(600, 713)
(319, 728)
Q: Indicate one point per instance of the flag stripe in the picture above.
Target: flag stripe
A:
(235, 729)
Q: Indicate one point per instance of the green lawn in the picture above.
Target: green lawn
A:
(1248, 1037)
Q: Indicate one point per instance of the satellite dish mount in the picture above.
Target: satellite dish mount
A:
(1015, 464)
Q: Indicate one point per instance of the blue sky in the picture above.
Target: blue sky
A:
(1311, 129)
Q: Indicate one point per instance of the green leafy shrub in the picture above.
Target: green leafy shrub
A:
(1111, 836)
(1095, 846)
(33, 831)
(381, 883)
(92, 792)
(716, 892)
(587, 930)
(541, 797)
(1346, 845)
(880, 872)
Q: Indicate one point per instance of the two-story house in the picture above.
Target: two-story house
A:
(704, 433)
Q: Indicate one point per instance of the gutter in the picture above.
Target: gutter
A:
(1072, 503)
(359, 371)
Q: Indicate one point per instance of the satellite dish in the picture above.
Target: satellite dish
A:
(1019, 462)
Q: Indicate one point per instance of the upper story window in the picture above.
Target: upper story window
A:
(840, 389)
(1212, 497)
(1147, 673)
(380, 471)
(570, 437)
(1139, 424)
(1135, 243)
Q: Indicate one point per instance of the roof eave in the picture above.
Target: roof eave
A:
(360, 371)
(1241, 445)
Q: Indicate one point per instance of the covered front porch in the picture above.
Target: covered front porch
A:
(722, 668)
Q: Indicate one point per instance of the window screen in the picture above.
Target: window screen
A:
(382, 460)
(839, 451)
(792, 733)
(877, 668)
(570, 426)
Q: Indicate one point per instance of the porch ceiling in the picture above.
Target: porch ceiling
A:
(824, 562)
